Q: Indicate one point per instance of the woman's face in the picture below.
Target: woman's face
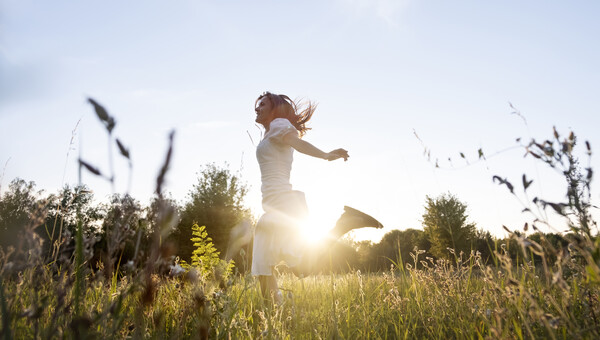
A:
(264, 112)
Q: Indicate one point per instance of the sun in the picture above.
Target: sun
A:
(315, 227)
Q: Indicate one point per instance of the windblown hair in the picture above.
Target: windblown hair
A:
(298, 113)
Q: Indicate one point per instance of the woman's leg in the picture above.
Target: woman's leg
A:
(269, 288)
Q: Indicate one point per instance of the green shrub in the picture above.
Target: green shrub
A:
(205, 257)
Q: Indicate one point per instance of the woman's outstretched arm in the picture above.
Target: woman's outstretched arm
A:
(307, 148)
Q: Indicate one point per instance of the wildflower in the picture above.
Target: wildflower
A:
(129, 265)
(278, 298)
(554, 322)
(176, 270)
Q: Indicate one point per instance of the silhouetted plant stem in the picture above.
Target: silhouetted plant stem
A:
(5, 316)
(78, 257)
(78, 264)
(591, 303)
(3, 172)
(111, 163)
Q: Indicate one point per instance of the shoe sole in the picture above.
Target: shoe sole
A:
(369, 220)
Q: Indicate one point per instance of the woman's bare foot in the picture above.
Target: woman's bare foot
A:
(355, 219)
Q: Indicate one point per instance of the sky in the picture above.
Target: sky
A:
(382, 72)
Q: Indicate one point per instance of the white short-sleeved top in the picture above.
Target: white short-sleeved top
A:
(275, 158)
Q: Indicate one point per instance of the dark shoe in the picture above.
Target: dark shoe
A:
(354, 219)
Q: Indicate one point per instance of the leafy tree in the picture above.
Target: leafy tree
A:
(446, 226)
(162, 216)
(364, 253)
(485, 244)
(61, 220)
(396, 246)
(342, 256)
(21, 212)
(215, 202)
(122, 223)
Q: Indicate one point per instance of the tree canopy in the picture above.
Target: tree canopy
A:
(446, 226)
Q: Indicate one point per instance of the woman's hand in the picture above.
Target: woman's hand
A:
(336, 154)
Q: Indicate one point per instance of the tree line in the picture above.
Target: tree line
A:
(117, 232)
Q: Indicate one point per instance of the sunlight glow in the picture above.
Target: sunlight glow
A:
(315, 228)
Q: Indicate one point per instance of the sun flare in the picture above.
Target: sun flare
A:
(315, 227)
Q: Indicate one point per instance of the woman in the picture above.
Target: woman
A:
(277, 232)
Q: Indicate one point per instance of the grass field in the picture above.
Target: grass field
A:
(464, 300)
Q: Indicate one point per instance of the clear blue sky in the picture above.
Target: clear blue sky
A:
(378, 69)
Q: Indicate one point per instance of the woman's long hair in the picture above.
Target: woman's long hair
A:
(298, 113)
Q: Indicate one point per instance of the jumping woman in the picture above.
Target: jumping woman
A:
(277, 235)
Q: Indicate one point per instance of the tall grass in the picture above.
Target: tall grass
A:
(426, 298)
(444, 300)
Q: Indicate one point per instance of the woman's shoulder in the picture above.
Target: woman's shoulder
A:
(280, 127)
(281, 122)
